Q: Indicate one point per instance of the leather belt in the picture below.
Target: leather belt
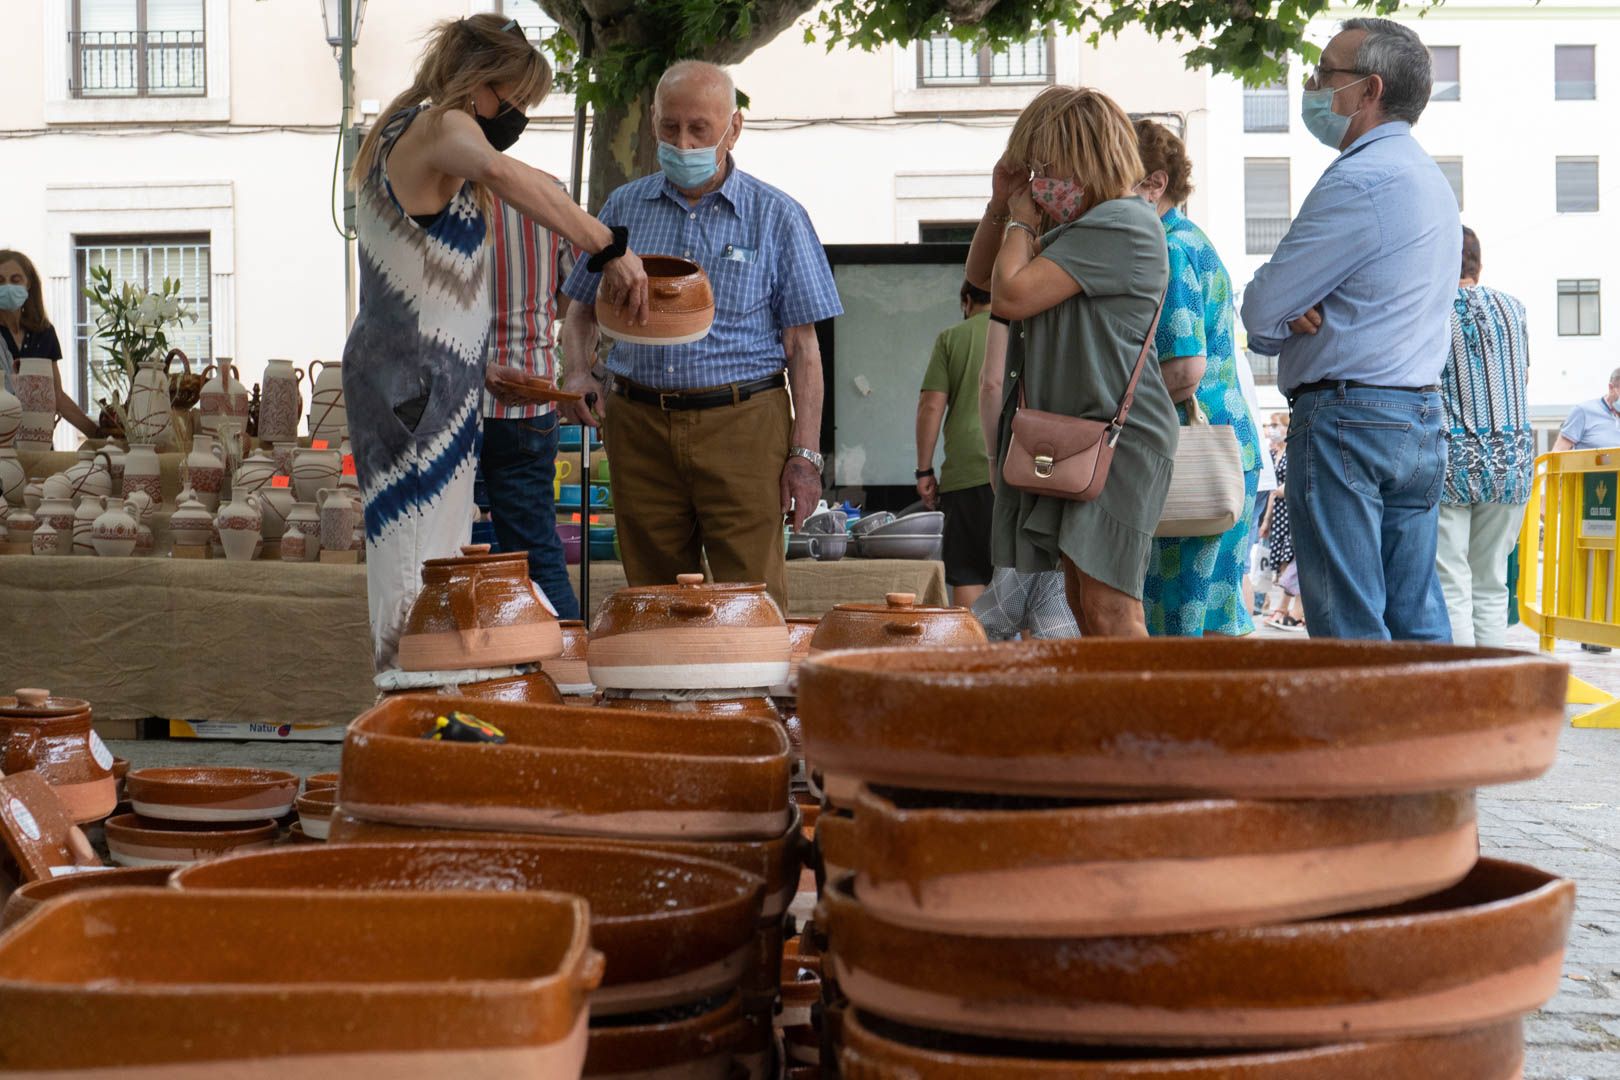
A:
(708, 398)
(1351, 384)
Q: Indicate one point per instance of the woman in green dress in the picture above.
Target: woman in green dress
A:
(1080, 299)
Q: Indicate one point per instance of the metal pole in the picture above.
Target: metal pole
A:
(346, 132)
(584, 429)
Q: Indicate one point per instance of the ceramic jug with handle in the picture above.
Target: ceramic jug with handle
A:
(13, 478)
(281, 402)
(328, 417)
(223, 396)
(147, 415)
(91, 474)
(11, 411)
(239, 522)
(116, 528)
(313, 470)
(143, 473)
(337, 519)
(205, 469)
(84, 521)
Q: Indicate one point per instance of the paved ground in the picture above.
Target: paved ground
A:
(1565, 822)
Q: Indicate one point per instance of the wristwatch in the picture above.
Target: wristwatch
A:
(809, 455)
(924, 472)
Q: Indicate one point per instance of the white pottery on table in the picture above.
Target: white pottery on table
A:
(58, 486)
(20, 525)
(13, 477)
(36, 433)
(313, 470)
(33, 494)
(223, 397)
(11, 412)
(328, 417)
(145, 541)
(84, 521)
(191, 525)
(283, 452)
(254, 473)
(304, 523)
(35, 385)
(148, 417)
(57, 512)
(275, 503)
(281, 402)
(205, 470)
(337, 519)
(143, 504)
(115, 529)
(238, 523)
(143, 473)
(91, 474)
(45, 541)
(115, 462)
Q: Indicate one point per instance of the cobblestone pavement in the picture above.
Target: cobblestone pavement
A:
(1564, 822)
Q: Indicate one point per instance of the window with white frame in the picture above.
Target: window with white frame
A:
(144, 261)
(942, 60)
(1577, 185)
(1452, 169)
(1447, 62)
(1575, 72)
(137, 48)
(1579, 307)
(537, 26)
(1265, 108)
(1266, 207)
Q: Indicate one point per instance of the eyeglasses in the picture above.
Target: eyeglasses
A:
(1321, 74)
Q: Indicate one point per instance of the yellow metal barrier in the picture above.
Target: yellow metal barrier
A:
(1569, 572)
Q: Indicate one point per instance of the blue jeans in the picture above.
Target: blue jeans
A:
(519, 464)
(1365, 468)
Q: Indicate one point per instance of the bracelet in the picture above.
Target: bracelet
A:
(809, 455)
(1019, 225)
(621, 243)
(995, 219)
(924, 472)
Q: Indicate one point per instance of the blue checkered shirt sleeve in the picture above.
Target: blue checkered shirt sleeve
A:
(805, 291)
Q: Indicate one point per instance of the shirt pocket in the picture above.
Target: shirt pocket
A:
(741, 279)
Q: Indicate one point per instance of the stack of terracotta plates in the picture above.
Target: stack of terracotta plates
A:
(185, 814)
(633, 785)
(1062, 853)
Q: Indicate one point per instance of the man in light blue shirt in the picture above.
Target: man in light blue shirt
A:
(1357, 302)
(1595, 424)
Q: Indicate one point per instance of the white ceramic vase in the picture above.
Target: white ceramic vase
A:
(13, 478)
(84, 522)
(304, 522)
(281, 402)
(337, 519)
(191, 524)
(205, 470)
(147, 414)
(11, 412)
(58, 514)
(328, 417)
(239, 522)
(313, 470)
(143, 473)
(116, 528)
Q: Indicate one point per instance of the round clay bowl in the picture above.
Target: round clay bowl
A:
(689, 636)
(687, 1041)
(571, 671)
(133, 840)
(1488, 949)
(876, 1049)
(36, 893)
(297, 835)
(477, 611)
(741, 708)
(320, 780)
(569, 770)
(1167, 718)
(680, 305)
(1008, 867)
(315, 812)
(533, 688)
(898, 621)
(53, 737)
(214, 793)
(673, 929)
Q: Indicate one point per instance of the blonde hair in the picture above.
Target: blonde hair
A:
(462, 55)
(1081, 134)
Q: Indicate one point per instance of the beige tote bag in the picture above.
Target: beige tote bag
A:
(1206, 489)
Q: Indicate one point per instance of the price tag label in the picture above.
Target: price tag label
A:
(279, 481)
(318, 444)
(348, 465)
(25, 820)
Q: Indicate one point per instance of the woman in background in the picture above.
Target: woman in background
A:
(25, 331)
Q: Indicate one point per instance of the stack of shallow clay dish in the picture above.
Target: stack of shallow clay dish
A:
(189, 813)
(630, 786)
(478, 629)
(1096, 859)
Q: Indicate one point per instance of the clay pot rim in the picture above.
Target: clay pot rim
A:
(317, 800)
(671, 266)
(322, 779)
(133, 826)
(43, 890)
(54, 708)
(154, 780)
(500, 560)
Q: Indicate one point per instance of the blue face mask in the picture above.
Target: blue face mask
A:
(688, 169)
(12, 297)
(1321, 121)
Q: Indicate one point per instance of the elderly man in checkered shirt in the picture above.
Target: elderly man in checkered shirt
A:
(708, 450)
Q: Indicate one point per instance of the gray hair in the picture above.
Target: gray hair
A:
(1397, 55)
(1614, 376)
(698, 70)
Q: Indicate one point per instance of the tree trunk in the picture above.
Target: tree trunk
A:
(623, 146)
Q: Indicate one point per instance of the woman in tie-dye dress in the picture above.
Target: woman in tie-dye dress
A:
(413, 367)
(1194, 584)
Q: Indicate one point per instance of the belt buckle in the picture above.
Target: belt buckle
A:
(663, 398)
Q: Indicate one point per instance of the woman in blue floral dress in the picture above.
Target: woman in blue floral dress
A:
(1194, 584)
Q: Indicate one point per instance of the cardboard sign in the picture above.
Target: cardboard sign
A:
(1598, 505)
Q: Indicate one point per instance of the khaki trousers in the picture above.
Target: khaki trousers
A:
(702, 482)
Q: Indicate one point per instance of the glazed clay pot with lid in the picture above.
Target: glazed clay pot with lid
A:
(478, 610)
(53, 736)
(680, 305)
(36, 831)
(570, 670)
(895, 622)
(263, 986)
(689, 636)
(1170, 718)
(1046, 867)
(1486, 950)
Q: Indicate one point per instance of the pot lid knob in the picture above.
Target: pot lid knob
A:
(475, 549)
(688, 580)
(901, 599)
(33, 698)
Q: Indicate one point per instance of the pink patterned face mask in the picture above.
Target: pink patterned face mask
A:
(1059, 198)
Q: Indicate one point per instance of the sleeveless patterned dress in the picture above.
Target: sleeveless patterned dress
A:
(420, 331)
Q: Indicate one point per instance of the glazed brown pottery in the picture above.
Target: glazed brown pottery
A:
(800, 632)
(120, 770)
(689, 636)
(1489, 949)
(566, 769)
(673, 929)
(895, 622)
(315, 811)
(297, 835)
(734, 708)
(137, 841)
(52, 736)
(37, 893)
(507, 381)
(570, 671)
(1169, 718)
(680, 305)
(690, 1043)
(533, 687)
(479, 610)
(216, 793)
(38, 833)
(974, 864)
(875, 1049)
(171, 983)
(320, 780)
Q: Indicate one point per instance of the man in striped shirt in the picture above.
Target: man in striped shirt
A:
(527, 265)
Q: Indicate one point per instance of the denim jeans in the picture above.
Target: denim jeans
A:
(1365, 469)
(519, 464)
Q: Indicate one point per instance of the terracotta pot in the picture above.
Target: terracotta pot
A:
(37, 832)
(896, 621)
(477, 611)
(733, 708)
(680, 305)
(877, 1049)
(320, 780)
(315, 811)
(1486, 950)
(1043, 868)
(673, 929)
(800, 633)
(164, 982)
(689, 636)
(565, 769)
(570, 671)
(1168, 717)
(120, 770)
(801, 989)
(837, 845)
(213, 793)
(36, 894)
(53, 737)
(688, 1043)
(281, 404)
(133, 840)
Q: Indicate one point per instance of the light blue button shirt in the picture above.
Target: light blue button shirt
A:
(1593, 425)
(766, 267)
(1378, 243)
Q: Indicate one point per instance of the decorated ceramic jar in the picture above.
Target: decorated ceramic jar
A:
(84, 520)
(305, 522)
(20, 525)
(53, 737)
(680, 305)
(313, 470)
(114, 532)
(45, 540)
(239, 522)
(281, 402)
(13, 479)
(328, 417)
(205, 468)
(58, 514)
(689, 636)
(477, 611)
(143, 473)
(11, 411)
(338, 512)
(191, 524)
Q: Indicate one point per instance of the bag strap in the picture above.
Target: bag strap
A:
(1118, 422)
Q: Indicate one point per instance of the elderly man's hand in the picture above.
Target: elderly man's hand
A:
(592, 408)
(1308, 323)
(801, 489)
(624, 285)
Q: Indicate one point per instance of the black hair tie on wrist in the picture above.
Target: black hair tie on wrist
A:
(621, 243)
